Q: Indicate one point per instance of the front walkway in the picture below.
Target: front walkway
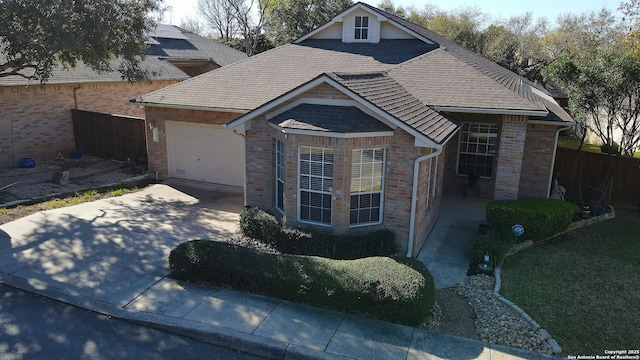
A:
(447, 251)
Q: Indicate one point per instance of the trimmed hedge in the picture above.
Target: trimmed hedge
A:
(400, 290)
(541, 218)
(262, 226)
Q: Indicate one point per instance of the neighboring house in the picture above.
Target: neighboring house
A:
(36, 120)
(365, 123)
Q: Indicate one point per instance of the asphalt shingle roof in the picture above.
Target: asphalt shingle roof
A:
(387, 94)
(442, 74)
(195, 48)
(327, 118)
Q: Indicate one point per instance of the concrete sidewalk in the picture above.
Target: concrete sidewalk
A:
(110, 256)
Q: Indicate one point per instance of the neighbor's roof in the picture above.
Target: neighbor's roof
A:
(189, 47)
(444, 76)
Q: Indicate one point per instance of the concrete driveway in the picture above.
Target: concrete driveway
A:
(112, 250)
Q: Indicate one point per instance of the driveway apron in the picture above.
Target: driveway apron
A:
(112, 250)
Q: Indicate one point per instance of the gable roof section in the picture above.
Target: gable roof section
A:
(388, 95)
(382, 16)
(328, 118)
(383, 96)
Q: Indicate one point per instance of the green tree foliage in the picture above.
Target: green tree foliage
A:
(38, 35)
(286, 20)
(604, 93)
(631, 11)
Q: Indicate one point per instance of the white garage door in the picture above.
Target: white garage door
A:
(205, 153)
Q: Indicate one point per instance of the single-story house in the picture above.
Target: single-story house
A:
(364, 123)
(36, 120)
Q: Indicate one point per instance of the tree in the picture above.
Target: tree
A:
(36, 36)
(604, 93)
(193, 25)
(220, 18)
(631, 11)
(287, 20)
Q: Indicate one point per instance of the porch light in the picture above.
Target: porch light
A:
(486, 259)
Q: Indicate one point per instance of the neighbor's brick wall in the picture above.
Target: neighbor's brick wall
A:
(512, 136)
(36, 121)
(157, 150)
(538, 157)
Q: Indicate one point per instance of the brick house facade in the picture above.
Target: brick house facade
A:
(351, 134)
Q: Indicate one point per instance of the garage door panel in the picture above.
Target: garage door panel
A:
(205, 153)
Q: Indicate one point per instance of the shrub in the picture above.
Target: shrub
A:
(393, 289)
(495, 243)
(260, 225)
(610, 149)
(541, 218)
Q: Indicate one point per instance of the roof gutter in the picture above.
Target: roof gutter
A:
(186, 107)
(414, 196)
(490, 111)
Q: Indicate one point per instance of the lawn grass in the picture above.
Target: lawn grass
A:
(573, 143)
(583, 287)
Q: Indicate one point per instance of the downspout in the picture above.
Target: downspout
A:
(244, 187)
(553, 160)
(75, 96)
(414, 196)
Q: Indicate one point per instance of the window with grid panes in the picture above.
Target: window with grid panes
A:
(367, 175)
(315, 185)
(279, 175)
(361, 28)
(477, 149)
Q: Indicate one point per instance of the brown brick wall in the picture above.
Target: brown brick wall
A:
(538, 157)
(512, 135)
(36, 121)
(157, 150)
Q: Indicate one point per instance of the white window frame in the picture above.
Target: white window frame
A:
(361, 28)
(279, 174)
(479, 147)
(326, 183)
(356, 182)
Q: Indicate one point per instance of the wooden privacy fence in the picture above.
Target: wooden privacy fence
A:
(108, 136)
(624, 191)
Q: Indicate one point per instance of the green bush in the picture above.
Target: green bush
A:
(610, 149)
(541, 218)
(260, 225)
(495, 243)
(393, 289)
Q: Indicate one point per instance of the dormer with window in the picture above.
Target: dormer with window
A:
(361, 24)
(361, 27)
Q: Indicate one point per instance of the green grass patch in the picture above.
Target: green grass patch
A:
(573, 143)
(584, 287)
(50, 203)
(399, 289)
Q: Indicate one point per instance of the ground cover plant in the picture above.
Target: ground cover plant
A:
(398, 289)
(584, 286)
(49, 203)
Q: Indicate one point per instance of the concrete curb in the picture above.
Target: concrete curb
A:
(211, 334)
(555, 347)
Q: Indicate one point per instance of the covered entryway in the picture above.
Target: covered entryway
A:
(204, 152)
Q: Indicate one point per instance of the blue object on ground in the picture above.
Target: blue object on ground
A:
(27, 163)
